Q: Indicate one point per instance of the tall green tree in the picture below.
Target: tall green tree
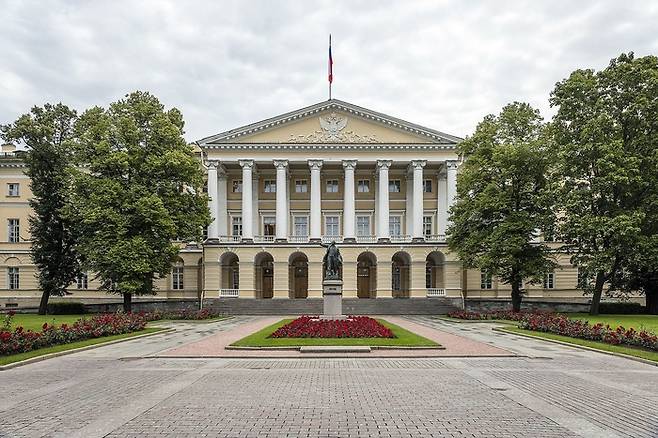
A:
(605, 132)
(504, 195)
(47, 132)
(139, 191)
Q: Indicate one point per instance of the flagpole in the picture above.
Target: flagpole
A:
(330, 67)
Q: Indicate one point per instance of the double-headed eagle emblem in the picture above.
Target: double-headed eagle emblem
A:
(332, 125)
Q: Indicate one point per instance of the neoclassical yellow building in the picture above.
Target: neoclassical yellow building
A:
(379, 186)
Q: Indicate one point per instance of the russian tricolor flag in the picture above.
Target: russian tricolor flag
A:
(331, 63)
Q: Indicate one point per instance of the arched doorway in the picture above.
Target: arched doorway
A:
(400, 267)
(434, 270)
(298, 275)
(366, 275)
(230, 271)
(264, 275)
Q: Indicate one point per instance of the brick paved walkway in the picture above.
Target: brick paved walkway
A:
(558, 392)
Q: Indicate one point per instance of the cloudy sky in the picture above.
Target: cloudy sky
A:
(443, 64)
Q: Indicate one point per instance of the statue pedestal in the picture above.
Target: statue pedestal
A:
(332, 294)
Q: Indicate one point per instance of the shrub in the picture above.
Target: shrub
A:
(490, 314)
(196, 315)
(66, 308)
(21, 341)
(354, 327)
(622, 308)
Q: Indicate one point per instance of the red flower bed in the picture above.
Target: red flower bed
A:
(491, 314)
(563, 325)
(355, 327)
(21, 341)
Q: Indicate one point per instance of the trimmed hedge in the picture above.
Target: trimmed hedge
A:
(621, 308)
(66, 308)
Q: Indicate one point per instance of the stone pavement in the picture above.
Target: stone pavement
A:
(558, 392)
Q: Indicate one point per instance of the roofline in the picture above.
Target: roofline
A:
(380, 117)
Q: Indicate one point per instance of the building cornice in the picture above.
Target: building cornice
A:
(331, 146)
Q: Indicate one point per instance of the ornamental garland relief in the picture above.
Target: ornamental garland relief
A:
(333, 131)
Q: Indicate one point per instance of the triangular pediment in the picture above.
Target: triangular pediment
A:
(332, 122)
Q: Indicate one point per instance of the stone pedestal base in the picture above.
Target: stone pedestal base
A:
(332, 293)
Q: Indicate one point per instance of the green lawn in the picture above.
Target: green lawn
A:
(638, 322)
(644, 354)
(4, 360)
(404, 338)
(30, 321)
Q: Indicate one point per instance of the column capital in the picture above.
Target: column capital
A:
(384, 164)
(417, 164)
(315, 164)
(452, 164)
(246, 163)
(349, 164)
(212, 164)
(280, 164)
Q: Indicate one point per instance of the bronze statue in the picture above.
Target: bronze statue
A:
(332, 261)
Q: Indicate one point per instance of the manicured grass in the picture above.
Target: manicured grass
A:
(30, 321)
(404, 338)
(638, 322)
(4, 360)
(637, 352)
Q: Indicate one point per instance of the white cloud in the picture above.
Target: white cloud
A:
(441, 64)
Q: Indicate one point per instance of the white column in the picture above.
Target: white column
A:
(417, 166)
(375, 187)
(442, 203)
(281, 199)
(316, 200)
(247, 200)
(222, 213)
(349, 218)
(409, 204)
(213, 200)
(383, 232)
(255, 190)
(451, 181)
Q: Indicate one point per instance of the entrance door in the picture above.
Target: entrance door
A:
(268, 280)
(363, 281)
(301, 281)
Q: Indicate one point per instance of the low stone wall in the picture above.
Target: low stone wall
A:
(483, 305)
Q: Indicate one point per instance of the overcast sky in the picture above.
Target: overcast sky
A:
(442, 64)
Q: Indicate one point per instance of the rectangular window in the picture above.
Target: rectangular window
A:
(363, 186)
(394, 186)
(395, 226)
(237, 186)
(269, 186)
(427, 226)
(82, 281)
(177, 278)
(13, 230)
(363, 226)
(301, 186)
(549, 281)
(301, 226)
(331, 226)
(427, 186)
(485, 280)
(332, 186)
(13, 189)
(269, 225)
(13, 278)
(237, 226)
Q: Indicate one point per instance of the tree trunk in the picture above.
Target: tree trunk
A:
(43, 304)
(516, 297)
(127, 302)
(651, 296)
(598, 291)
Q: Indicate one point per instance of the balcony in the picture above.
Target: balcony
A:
(263, 239)
(329, 239)
(229, 293)
(435, 292)
(400, 238)
(366, 239)
(297, 239)
(435, 238)
(230, 239)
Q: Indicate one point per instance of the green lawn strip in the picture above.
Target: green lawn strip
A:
(638, 322)
(404, 338)
(4, 360)
(631, 351)
(457, 320)
(34, 322)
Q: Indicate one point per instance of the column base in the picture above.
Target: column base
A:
(383, 240)
(349, 240)
(418, 240)
(247, 240)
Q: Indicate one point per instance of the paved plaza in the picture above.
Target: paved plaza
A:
(126, 390)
